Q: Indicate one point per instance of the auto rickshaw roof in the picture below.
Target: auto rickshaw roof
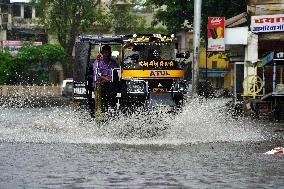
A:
(104, 39)
(119, 39)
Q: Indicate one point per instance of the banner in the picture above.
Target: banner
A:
(215, 33)
(267, 23)
(13, 47)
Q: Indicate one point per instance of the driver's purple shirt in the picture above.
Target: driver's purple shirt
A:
(100, 68)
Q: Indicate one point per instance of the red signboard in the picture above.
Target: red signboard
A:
(267, 23)
(215, 32)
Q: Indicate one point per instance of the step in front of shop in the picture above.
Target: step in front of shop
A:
(264, 110)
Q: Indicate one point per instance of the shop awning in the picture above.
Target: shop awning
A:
(39, 68)
(214, 72)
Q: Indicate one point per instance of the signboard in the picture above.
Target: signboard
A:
(268, 58)
(13, 46)
(267, 23)
(278, 55)
(79, 91)
(152, 74)
(215, 33)
(164, 64)
(236, 36)
(272, 56)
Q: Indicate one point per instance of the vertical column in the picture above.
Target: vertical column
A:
(10, 22)
(196, 46)
(3, 35)
(33, 13)
(251, 52)
(22, 11)
(235, 83)
(263, 79)
(2, 32)
(274, 76)
(0, 17)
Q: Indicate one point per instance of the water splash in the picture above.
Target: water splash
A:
(198, 122)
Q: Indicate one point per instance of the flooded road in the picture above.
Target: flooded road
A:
(202, 147)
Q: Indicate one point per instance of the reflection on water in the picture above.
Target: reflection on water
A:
(201, 147)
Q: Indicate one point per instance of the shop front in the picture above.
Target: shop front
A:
(272, 75)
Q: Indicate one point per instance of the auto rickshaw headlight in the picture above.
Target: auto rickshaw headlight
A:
(135, 86)
(181, 86)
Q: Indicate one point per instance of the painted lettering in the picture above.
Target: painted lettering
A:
(216, 20)
(272, 28)
(271, 20)
(259, 20)
(156, 64)
(163, 63)
(157, 73)
(280, 55)
(280, 19)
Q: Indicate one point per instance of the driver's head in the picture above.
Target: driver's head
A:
(106, 50)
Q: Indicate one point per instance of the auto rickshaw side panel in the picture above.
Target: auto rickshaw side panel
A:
(81, 78)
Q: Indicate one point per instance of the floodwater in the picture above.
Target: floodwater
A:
(201, 147)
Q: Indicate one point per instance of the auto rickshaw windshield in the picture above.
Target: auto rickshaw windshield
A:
(148, 51)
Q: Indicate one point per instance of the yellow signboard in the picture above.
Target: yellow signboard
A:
(159, 90)
(152, 74)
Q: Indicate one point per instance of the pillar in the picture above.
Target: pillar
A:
(251, 53)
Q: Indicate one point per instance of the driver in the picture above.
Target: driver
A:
(102, 69)
(103, 66)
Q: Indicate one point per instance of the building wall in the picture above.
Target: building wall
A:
(17, 17)
(222, 62)
(218, 72)
(3, 35)
(265, 7)
(228, 80)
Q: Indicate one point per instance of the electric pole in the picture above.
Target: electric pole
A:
(196, 46)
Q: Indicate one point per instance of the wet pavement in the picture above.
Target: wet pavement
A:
(201, 147)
